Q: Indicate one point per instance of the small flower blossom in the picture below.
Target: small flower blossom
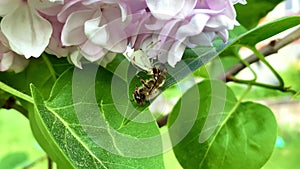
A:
(168, 9)
(94, 27)
(9, 60)
(90, 29)
(27, 32)
(188, 24)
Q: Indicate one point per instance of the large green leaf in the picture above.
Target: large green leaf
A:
(250, 14)
(224, 133)
(268, 30)
(89, 122)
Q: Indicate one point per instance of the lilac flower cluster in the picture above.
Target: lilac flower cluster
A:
(92, 28)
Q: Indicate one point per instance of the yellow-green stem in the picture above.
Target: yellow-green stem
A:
(263, 59)
(15, 92)
(245, 63)
(49, 65)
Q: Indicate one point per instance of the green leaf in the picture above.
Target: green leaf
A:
(250, 14)
(201, 72)
(39, 72)
(192, 59)
(89, 122)
(258, 34)
(233, 34)
(3, 98)
(13, 160)
(223, 133)
(41, 133)
(268, 30)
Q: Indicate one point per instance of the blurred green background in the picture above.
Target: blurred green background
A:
(18, 148)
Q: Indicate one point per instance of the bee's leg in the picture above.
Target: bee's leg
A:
(151, 45)
(134, 92)
(150, 73)
(131, 100)
(144, 83)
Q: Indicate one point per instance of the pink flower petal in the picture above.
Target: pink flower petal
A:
(202, 39)
(27, 32)
(12, 61)
(19, 63)
(6, 60)
(91, 51)
(175, 53)
(111, 36)
(168, 30)
(223, 35)
(187, 8)
(73, 30)
(194, 27)
(97, 34)
(75, 58)
(7, 6)
(219, 22)
(217, 4)
(68, 8)
(165, 9)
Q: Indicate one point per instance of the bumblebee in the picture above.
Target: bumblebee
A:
(150, 87)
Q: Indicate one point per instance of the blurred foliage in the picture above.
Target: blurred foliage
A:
(250, 14)
(286, 157)
(288, 76)
(13, 159)
(17, 144)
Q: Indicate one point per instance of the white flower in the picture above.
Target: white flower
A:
(27, 32)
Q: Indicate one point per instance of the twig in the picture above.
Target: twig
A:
(50, 163)
(35, 162)
(21, 110)
(10, 103)
(7, 104)
(267, 50)
(162, 121)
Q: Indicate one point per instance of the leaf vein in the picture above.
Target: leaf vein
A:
(67, 127)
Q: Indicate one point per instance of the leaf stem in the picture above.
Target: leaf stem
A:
(11, 103)
(251, 82)
(49, 65)
(295, 95)
(246, 63)
(30, 165)
(15, 92)
(263, 59)
(267, 50)
(50, 163)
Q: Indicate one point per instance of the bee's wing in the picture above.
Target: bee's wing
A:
(140, 59)
(153, 94)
